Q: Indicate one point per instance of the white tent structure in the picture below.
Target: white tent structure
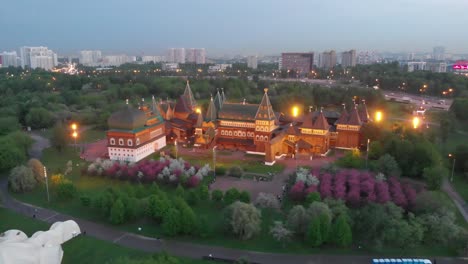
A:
(40, 248)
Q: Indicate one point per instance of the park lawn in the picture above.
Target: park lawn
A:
(460, 184)
(91, 135)
(82, 249)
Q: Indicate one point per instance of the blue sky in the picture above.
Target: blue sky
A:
(235, 26)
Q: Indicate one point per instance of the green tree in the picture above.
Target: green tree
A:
(59, 136)
(180, 191)
(434, 176)
(318, 208)
(231, 196)
(8, 124)
(10, 155)
(244, 197)
(188, 220)
(387, 165)
(217, 195)
(312, 197)
(204, 193)
(158, 206)
(245, 220)
(21, 179)
(39, 117)
(341, 232)
(325, 226)
(314, 234)
(171, 223)
(117, 213)
(192, 197)
(298, 219)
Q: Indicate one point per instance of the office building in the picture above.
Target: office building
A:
(38, 57)
(328, 59)
(252, 62)
(300, 62)
(9, 59)
(436, 66)
(90, 57)
(416, 66)
(438, 53)
(348, 59)
(197, 56)
(155, 59)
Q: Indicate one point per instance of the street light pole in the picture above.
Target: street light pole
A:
(214, 161)
(295, 157)
(47, 184)
(453, 169)
(367, 151)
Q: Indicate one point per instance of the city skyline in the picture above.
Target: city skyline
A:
(239, 27)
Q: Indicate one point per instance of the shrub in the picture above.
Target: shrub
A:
(37, 168)
(388, 166)
(192, 197)
(297, 191)
(220, 170)
(313, 197)
(85, 200)
(314, 234)
(217, 195)
(66, 190)
(204, 193)
(245, 220)
(231, 196)
(235, 171)
(434, 176)
(21, 179)
(244, 197)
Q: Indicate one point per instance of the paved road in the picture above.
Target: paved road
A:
(459, 202)
(178, 248)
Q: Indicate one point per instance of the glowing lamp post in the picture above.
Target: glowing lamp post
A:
(378, 116)
(47, 183)
(198, 110)
(295, 111)
(214, 162)
(175, 143)
(74, 126)
(416, 122)
(75, 135)
(453, 165)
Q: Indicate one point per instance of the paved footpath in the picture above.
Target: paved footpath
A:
(184, 249)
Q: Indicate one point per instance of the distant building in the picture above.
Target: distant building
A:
(252, 62)
(9, 59)
(197, 56)
(90, 57)
(154, 59)
(219, 67)
(438, 53)
(176, 55)
(348, 59)
(436, 66)
(416, 66)
(170, 66)
(328, 59)
(38, 57)
(115, 60)
(367, 57)
(300, 62)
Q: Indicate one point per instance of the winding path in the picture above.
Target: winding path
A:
(174, 247)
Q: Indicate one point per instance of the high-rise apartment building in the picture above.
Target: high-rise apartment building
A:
(176, 55)
(154, 59)
(38, 57)
(252, 62)
(348, 59)
(300, 62)
(438, 53)
(90, 57)
(116, 60)
(197, 56)
(328, 59)
(9, 59)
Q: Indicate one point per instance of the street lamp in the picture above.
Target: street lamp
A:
(175, 143)
(74, 126)
(214, 161)
(47, 183)
(378, 116)
(367, 152)
(75, 135)
(295, 157)
(416, 122)
(295, 111)
(453, 165)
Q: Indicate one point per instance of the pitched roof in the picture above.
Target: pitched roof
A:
(321, 122)
(265, 110)
(127, 119)
(363, 113)
(293, 130)
(308, 120)
(218, 101)
(211, 113)
(199, 122)
(155, 109)
(182, 105)
(191, 103)
(303, 144)
(354, 118)
(244, 112)
(343, 120)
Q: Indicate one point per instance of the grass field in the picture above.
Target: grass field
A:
(82, 249)
(460, 184)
